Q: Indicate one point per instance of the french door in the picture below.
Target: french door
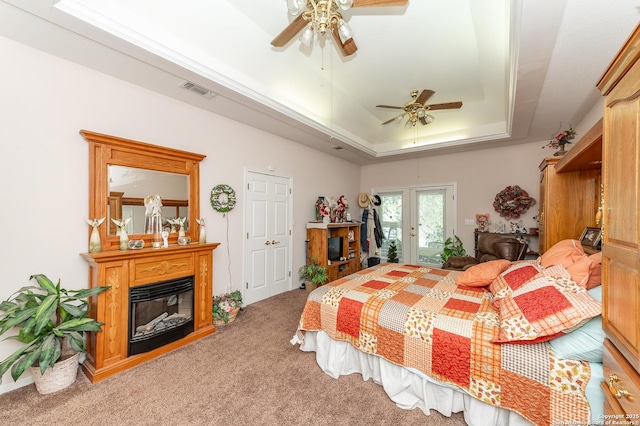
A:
(268, 217)
(419, 220)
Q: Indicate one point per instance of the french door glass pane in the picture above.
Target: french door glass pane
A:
(391, 221)
(431, 225)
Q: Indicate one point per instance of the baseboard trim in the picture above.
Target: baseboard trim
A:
(8, 387)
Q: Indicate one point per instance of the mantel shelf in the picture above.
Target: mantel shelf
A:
(111, 255)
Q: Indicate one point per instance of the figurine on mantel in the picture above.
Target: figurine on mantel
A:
(173, 223)
(203, 237)
(180, 221)
(153, 219)
(122, 232)
(95, 246)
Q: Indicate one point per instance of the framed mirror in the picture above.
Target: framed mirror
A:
(122, 172)
(128, 186)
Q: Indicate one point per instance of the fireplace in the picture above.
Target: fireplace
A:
(160, 313)
(125, 270)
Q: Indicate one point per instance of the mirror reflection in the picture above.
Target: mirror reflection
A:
(128, 186)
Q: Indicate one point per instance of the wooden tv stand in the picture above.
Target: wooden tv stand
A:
(318, 234)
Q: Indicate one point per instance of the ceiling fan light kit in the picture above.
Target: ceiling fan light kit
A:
(322, 16)
(416, 110)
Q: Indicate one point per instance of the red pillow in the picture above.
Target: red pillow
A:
(512, 278)
(482, 274)
(586, 272)
(595, 279)
(565, 253)
(545, 307)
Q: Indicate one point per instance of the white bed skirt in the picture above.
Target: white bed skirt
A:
(408, 388)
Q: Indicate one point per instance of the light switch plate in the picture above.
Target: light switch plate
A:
(469, 222)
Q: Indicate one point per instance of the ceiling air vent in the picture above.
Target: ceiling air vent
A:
(198, 89)
(337, 148)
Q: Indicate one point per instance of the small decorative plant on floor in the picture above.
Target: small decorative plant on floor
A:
(45, 315)
(453, 247)
(226, 307)
(392, 254)
(313, 274)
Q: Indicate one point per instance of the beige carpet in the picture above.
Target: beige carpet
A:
(247, 373)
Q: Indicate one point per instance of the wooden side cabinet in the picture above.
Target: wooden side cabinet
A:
(318, 235)
(569, 201)
(620, 85)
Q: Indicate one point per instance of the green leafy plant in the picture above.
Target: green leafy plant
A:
(453, 247)
(45, 314)
(392, 254)
(313, 272)
(224, 304)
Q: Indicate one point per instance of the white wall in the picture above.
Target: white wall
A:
(44, 172)
(479, 176)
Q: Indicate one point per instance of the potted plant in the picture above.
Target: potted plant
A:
(313, 274)
(47, 315)
(453, 247)
(226, 307)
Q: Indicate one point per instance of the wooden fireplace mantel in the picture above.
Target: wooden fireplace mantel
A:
(107, 350)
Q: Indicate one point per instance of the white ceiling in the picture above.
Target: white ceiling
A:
(521, 68)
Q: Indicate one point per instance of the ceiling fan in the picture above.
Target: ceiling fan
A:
(320, 16)
(417, 110)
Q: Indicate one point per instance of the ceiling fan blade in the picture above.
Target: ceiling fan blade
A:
(365, 3)
(447, 105)
(289, 32)
(348, 48)
(389, 106)
(389, 121)
(424, 96)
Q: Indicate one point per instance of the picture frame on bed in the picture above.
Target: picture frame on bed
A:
(591, 237)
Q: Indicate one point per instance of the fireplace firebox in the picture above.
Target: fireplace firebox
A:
(160, 313)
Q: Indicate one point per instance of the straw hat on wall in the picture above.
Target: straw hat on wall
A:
(364, 200)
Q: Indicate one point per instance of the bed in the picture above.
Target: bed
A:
(433, 343)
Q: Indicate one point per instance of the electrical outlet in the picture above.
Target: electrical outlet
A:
(469, 222)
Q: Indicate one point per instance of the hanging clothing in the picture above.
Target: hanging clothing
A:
(379, 235)
(364, 246)
(371, 235)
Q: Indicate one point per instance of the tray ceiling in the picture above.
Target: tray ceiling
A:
(521, 69)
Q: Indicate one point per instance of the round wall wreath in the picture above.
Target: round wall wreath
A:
(223, 198)
(512, 201)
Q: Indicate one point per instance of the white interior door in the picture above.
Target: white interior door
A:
(268, 236)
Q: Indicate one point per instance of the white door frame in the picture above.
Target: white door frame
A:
(245, 229)
(408, 209)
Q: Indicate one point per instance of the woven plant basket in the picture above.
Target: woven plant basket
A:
(62, 375)
(232, 318)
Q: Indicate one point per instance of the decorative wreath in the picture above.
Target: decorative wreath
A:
(512, 201)
(223, 198)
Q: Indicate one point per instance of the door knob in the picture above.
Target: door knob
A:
(266, 243)
(275, 242)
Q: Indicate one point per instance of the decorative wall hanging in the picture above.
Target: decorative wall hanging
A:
(223, 198)
(512, 201)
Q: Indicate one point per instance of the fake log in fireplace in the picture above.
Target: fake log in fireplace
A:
(160, 313)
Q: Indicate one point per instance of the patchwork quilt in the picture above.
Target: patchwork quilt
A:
(418, 317)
